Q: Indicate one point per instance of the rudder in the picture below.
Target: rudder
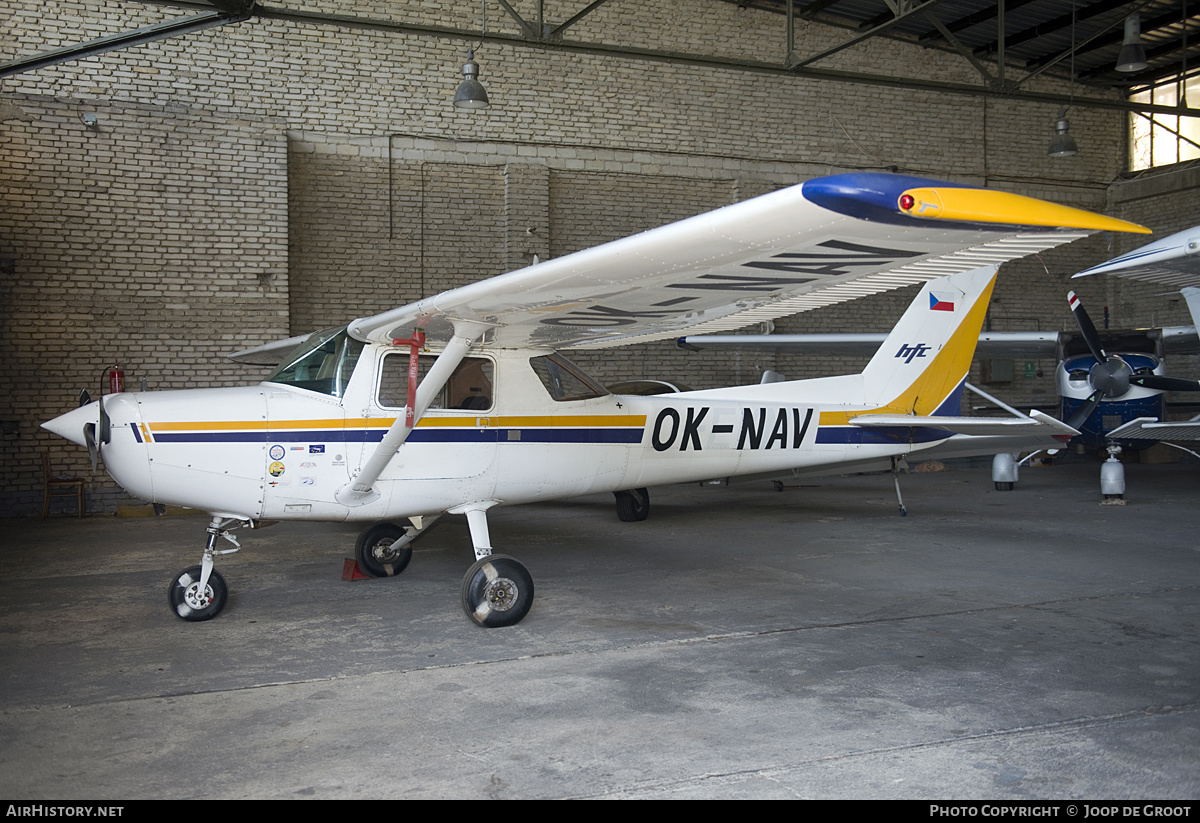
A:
(921, 366)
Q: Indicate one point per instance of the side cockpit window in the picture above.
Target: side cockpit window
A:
(322, 363)
(564, 380)
(470, 387)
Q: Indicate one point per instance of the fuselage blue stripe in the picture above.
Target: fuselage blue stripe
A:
(431, 435)
(889, 435)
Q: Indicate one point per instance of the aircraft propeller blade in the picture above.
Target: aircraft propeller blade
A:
(1084, 412)
(1162, 383)
(1087, 328)
(89, 435)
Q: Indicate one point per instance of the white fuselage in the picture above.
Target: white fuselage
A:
(275, 451)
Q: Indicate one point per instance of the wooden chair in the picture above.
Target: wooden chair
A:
(59, 487)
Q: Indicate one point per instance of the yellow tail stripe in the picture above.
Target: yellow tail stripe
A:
(940, 377)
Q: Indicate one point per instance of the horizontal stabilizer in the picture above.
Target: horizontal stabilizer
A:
(1037, 422)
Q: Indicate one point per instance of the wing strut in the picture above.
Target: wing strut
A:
(359, 490)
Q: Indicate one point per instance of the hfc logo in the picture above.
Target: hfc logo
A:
(909, 352)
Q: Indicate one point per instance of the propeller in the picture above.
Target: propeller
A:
(1111, 376)
(1162, 383)
(95, 440)
(89, 437)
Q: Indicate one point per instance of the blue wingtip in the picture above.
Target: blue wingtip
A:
(870, 196)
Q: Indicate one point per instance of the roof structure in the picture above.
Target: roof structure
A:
(1008, 42)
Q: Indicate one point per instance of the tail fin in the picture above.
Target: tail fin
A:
(921, 366)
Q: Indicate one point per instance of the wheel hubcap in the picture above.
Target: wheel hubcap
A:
(383, 552)
(195, 599)
(501, 594)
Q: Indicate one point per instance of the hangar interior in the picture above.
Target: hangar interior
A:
(186, 179)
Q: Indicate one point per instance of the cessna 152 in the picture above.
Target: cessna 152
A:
(354, 425)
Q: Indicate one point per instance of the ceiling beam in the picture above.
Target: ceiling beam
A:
(122, 40)
(985, 15)
(866, 35)
(1050, 26)
(1118, 34)
(352, 22)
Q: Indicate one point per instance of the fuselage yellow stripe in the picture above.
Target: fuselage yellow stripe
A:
(459, 420)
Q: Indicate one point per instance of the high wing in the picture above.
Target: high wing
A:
(1149, 428)
(822, 242)
(1174, 260)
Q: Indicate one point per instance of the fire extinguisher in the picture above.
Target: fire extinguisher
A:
(116, 379)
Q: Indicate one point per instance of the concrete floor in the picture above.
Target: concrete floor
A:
(739, 643)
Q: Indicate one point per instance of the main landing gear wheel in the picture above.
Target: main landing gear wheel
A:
(633, 505)
(374, 553)
(190, 603)
(497, 591)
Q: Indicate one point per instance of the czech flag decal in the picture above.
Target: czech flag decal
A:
(937, 304)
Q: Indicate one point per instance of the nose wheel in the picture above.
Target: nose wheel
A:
(194, 602)
(199, 592)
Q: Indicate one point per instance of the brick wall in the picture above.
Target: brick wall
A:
(267, 178)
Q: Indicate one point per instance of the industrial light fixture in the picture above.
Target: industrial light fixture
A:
(470, 93)
(1133, 53)
(1062, 144)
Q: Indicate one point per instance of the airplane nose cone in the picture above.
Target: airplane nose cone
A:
(70, 425)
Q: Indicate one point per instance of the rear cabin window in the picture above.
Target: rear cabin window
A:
(470, 387)
(564, 380)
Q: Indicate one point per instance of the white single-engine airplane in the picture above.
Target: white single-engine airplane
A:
(460, 402)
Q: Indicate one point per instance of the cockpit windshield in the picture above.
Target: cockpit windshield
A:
(322, 363)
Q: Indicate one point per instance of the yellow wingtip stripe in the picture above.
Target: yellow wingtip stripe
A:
(987, 206)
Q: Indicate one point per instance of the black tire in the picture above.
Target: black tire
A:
(497, 591)
(633, 505)
(1004, 486)
(374, 554)
(189, 603)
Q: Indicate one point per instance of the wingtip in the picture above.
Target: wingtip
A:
(989, 206)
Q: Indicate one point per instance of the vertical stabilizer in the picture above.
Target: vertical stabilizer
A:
(921, 366)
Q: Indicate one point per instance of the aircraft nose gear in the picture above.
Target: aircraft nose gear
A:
(193, 601)
(497, 591)
(199, 592)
